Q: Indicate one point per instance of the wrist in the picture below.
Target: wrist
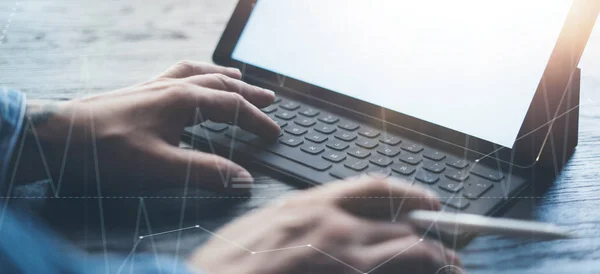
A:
(44, 123)
(47, 121)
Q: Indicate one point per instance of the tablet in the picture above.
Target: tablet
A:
(489, 76)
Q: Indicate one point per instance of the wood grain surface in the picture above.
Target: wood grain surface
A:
(69, 48)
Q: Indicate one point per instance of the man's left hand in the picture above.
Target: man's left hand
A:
(128, 139)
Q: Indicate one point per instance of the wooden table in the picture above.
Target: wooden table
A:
(68, 48)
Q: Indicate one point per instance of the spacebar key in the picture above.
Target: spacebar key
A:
(298, 156)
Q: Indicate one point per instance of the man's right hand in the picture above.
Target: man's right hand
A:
(338, 228)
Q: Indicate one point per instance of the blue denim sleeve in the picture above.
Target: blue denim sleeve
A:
(12, 111)
(26, 247)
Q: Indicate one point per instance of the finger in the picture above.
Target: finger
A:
(377, 198)
(257, 96)
(184, 69)
(222, 106)
(212, 172)
(410, 255)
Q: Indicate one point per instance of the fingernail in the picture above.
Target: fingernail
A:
(242, 177)
(236, 71)
(398, 181)
(270, 91)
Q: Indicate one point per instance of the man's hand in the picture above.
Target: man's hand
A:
(339, 228)
(129, 138)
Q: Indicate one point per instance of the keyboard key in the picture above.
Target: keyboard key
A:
(309, 112)
(277, 100)
(390, 140)
(457, 163)
(291, 141)
(427, 177)
(370, 133)
(269, 109)
(337, 145)
(356, 164)
(241, 134)
(474, 190)
(329, 119)
(410, 159)
(403, 169)
(367, 143)
(414, 148)
(457, 175)
(349, 126)
(359, 152)
(305, 122)
(433, 167)
(284, 151)
(215, 127)
(280, 123)
(334, 156)
(389, 151)
(342, 173)
(434, 155)
(316, 137)
(450, 186)
(312, 149)
(295, 130)
(455, 202)
(380, 160)
(379, 173)
(487, 173)
(314, 162)
(285, 115)
(290, 105)
(325, 129)
(345, 136)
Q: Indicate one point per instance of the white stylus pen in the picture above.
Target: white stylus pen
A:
(470, 223)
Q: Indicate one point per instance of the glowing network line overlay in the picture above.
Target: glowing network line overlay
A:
(140, 238)
(56, 186)
(30, 125)
(199, 118)
(395, 213)
(142, 208)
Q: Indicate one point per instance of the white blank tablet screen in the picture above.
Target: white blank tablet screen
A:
(469, 65)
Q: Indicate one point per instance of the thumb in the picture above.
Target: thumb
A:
(207, 171)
